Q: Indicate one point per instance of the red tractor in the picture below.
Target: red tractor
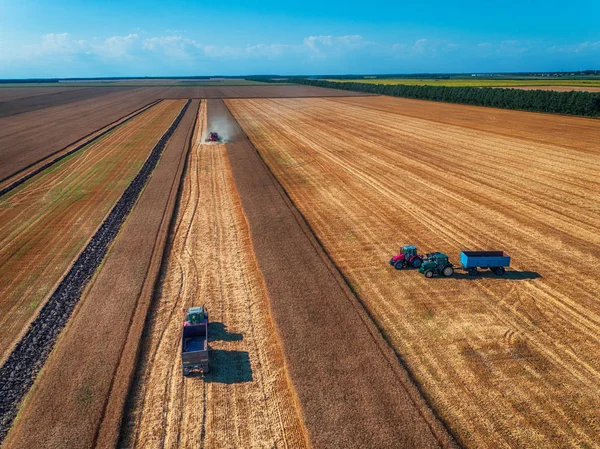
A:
(213, 137)
(408, 257)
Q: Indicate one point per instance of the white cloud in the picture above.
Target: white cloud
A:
(117, 46)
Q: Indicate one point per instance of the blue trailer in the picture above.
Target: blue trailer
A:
(194, 341)
(495, 261)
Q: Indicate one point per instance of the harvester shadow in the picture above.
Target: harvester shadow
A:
(229, 367)
(509, 275)
(218, 332)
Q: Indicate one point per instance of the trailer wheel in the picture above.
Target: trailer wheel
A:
(416, 262)
(398, 265)
(429, 274)
(448, 271)
(472, 271)
(499, 271)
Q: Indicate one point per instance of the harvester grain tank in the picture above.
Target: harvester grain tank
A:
(407, 257)
(436, 264)
(194, 341)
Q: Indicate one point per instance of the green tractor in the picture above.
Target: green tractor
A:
(436, 264)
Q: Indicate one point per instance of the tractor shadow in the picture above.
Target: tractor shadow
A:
(510, 275)
(218, 332)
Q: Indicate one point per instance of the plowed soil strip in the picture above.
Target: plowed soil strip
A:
(47, 221)
(29, 172)
(245, 401)
(350, 388)
(507, 362)
(89, 366)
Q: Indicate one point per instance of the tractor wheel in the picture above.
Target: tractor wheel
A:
(448, 271)
(399, 265)
(416, 262)
(472, 271)
(429, 274)
(499, 271)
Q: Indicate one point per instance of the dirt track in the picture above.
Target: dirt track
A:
(245, 401)
(72, 197)
(507, 362)
(93, 360)
(351, 390)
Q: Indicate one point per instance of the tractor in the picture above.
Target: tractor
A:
(436, 264)
(408, 257)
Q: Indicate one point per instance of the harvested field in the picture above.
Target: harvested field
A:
(266, 91)
(507, 362)
(47, 221)
(245, 401)
(93, 361)
(21, 105)
(350, 388)
(11, 93)
(27, 138)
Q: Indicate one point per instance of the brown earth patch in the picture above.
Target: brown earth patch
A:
(21, 105)
(26, 138)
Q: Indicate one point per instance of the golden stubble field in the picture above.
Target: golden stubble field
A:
(507, 362)
(246, 400)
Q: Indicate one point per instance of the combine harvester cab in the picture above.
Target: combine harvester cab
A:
(436, 264)
(407, 257)
(194, 341)
(495, 261)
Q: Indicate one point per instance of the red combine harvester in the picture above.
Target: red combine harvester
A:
(213, 137)
(408, 257)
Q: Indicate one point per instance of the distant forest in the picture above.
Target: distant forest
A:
(572, 103)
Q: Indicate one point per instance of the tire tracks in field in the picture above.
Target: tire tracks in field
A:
(367, 189)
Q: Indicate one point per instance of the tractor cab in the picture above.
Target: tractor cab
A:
(436, 264)
(409, 251)
(195, 315)
(407, 257)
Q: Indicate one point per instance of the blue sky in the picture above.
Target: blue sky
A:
(177, 38)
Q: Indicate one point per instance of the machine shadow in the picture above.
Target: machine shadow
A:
(229, 367)
(509, 275)
(218, 332)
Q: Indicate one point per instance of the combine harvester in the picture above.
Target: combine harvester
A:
(214, 138)
(438, 264)
(194, 341)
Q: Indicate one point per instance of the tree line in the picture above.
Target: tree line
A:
(572, 103)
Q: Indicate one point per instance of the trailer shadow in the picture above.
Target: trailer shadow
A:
(510, 275)
(229, 367)
(218, 332)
